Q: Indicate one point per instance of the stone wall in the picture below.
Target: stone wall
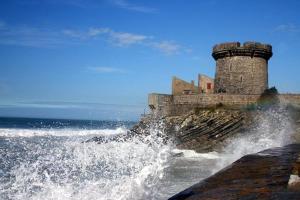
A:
(182, 104)
(241, 75)
(180, 87)
(293, 99)
(160, 103)
(207, 100)
(202, 84)
(169, 105)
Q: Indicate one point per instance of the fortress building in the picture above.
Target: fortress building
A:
(241, 69)
(241, 77)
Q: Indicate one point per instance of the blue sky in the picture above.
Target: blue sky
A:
(98, 59)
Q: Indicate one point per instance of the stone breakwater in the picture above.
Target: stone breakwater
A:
(269, 174)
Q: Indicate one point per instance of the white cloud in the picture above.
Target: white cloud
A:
(167, 47)
(73, 33)
(118, 38)
(128, 6)
(106, 70)
(92, 32)
(97, 31)
(288, 28)
(125, 39)
(37, 37)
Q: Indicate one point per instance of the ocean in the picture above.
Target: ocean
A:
(49, 159)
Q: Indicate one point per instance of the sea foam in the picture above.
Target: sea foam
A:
(66, 169)
(11, 132)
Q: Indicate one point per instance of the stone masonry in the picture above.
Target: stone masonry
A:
(241, 77)
(241, 69)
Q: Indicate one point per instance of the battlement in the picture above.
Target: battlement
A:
(252, 49)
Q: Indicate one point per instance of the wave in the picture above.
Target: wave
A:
(63, 169)
(12, 132)
(138, 168)
(274, 129)
(193, 154)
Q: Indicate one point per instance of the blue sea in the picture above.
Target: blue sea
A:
(43, 159)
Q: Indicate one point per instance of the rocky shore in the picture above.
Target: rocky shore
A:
(201, 130)
(206, 130)
(269, 174)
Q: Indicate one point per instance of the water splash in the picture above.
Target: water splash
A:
(274, 129)
(68, 169)
(13, 132)
(41, 164)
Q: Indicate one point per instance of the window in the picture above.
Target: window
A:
(241, 78)
(208, 86)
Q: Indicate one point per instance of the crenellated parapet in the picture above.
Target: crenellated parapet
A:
(252, 49)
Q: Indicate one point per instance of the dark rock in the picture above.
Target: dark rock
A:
(269, 174)
(203, 131)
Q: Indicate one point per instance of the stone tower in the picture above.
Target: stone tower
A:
(241, 69)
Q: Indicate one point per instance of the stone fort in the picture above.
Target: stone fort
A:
(241, 77)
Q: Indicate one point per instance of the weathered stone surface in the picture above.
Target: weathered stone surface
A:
(170, 105)
(202, 130)
(241, 69)
(205, 130)
(241, 75)
(264, 175)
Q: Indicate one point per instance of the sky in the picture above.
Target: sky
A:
(99, 59)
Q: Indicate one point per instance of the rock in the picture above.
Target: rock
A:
(294, 182)
(206, 130)
(269, 174)
(202, 131)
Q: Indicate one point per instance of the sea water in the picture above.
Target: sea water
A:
(48, 159)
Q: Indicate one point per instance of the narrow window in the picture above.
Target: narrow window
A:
(241, 78)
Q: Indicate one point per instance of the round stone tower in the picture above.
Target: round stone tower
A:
(241, 69)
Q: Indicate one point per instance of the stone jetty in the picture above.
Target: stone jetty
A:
(269, 174)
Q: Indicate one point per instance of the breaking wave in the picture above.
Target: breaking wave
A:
(8, 132)
(274, 129)
(55, 164)
(193, 154)
(52, 168)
